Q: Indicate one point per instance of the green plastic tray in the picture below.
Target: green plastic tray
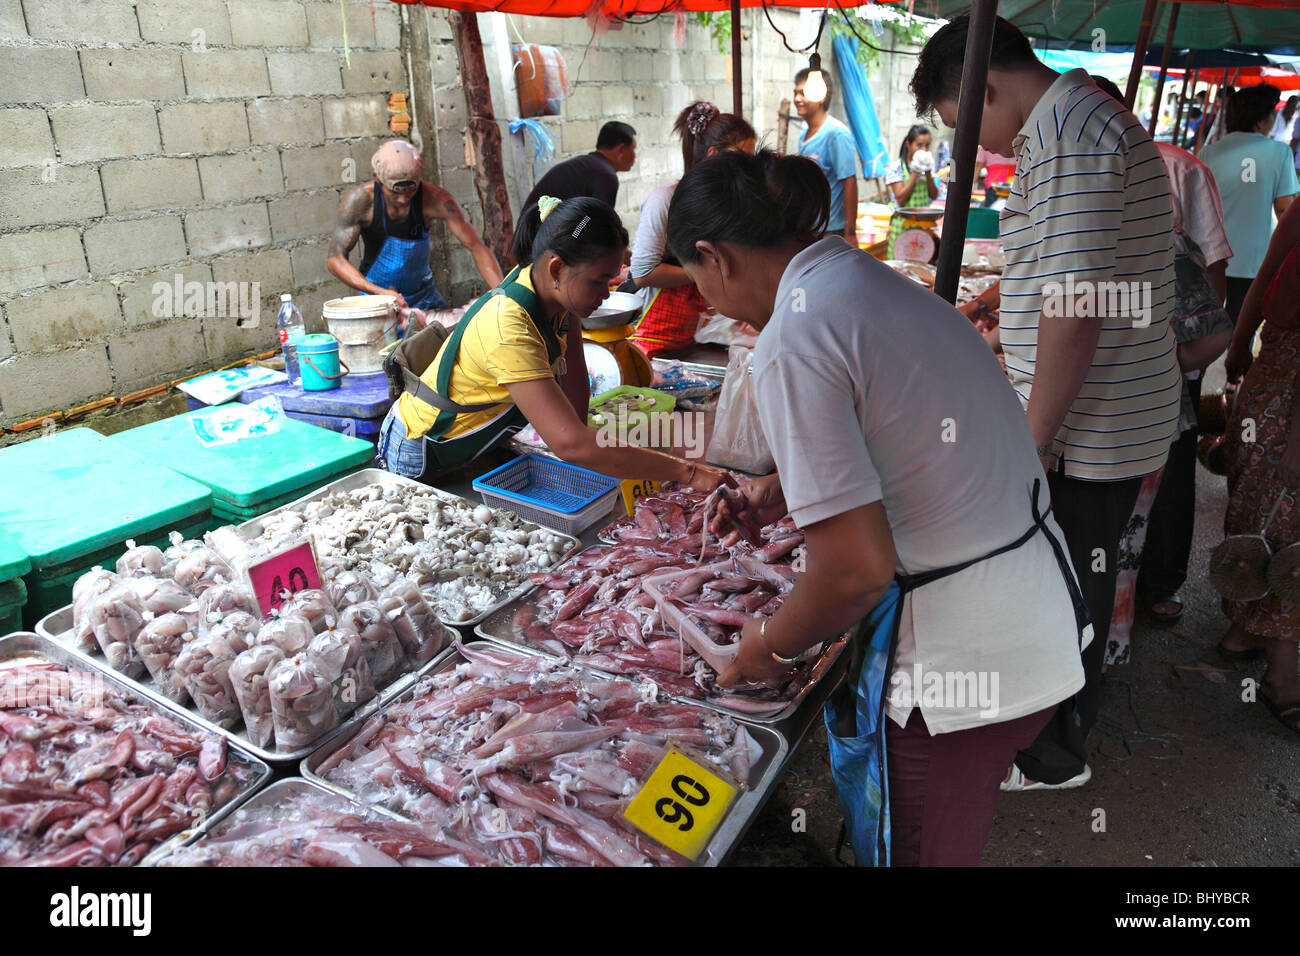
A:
(75, 493)
(14, 562)
(11, 621)
(12, 594)
(249, 473)
(661, 403)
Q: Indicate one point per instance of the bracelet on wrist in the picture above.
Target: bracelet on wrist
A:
(762, 636)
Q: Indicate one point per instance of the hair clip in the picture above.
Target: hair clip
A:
(701, 116)
(582, 225)
(545, 206)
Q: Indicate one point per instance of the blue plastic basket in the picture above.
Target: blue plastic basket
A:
(553, 493)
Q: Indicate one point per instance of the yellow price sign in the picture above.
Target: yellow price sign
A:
(633, 489)
(681, 805)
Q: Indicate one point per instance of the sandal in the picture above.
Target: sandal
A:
(1250, 654)
(1287, 712)
(1165, 618)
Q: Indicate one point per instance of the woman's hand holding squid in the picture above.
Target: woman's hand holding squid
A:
(754, 662)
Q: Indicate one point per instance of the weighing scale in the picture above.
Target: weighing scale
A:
(611, 359)
(919, 241)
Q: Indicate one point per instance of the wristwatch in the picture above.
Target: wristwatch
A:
(762, 636)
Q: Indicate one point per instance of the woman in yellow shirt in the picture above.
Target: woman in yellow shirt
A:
(502, 365)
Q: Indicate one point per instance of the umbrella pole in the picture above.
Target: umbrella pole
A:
(1182, 100)
(1164, 69)
(970, 110)
(485, 136)
(1202, 130)
(1190, 143)
(1140, 51)
(736, 102)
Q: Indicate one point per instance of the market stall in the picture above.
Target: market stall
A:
(328, 682)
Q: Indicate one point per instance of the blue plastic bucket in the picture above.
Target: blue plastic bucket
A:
(318, 362)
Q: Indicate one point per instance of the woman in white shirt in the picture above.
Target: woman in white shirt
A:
(673, 304)
(1284, 121)
(904, 455)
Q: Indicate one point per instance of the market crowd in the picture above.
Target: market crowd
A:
(960, 516)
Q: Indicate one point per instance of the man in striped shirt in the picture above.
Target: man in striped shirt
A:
(1086, 298)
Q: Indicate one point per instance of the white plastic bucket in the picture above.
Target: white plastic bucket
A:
(362, 324)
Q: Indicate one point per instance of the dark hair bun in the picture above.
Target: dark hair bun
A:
(758, 201)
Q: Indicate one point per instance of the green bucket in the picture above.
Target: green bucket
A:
(318, 362)
(982, 223)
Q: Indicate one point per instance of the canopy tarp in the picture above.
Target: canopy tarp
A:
(861, 111)
(1245, 76)
(1202, 24)
(1222, 58)
(615, 9)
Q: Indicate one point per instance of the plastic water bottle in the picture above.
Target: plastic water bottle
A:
(290, 325)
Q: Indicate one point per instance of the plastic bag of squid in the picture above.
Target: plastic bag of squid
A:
(183, 621)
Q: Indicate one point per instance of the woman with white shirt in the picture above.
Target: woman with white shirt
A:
(673, 304)
(905, 457)
(1284, 121)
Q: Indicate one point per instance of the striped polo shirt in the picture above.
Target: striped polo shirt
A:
(1090, 214)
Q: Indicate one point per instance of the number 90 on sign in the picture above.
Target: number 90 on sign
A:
(633, 489)
(681, 805)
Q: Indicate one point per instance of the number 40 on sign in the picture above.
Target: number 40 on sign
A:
(292, 570)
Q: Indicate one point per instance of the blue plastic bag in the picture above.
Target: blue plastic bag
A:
(858, 762)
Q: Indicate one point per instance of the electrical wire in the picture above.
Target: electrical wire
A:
(848, 22)
(1112, 729)
(786, 40)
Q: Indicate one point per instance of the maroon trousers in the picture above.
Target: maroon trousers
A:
(943, 789)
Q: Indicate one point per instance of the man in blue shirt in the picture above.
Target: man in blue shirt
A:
(830, 145)
(1256, 177)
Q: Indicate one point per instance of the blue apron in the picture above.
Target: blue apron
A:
(403, 264)
(856, 713)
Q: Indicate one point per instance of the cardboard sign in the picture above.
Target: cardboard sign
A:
(681, 805)
(633, 489)
(292, 570)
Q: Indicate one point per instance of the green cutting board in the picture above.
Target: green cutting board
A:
(76, 492)
(14, 562)
(247, 473)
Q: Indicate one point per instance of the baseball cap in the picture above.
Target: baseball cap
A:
(397, 161)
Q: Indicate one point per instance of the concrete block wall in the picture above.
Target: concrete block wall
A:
(151, 139)
(209, 140)
(640, 74)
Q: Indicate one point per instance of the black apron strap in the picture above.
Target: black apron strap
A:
(910, 582)
(449, 410)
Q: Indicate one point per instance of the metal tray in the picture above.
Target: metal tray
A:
(499, 630)
(26, 644)
(271, 797)
(737, 821)
(620, 308)
(58, 628)
(372, 476)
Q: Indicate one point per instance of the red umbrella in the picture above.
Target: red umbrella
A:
(1241, 76)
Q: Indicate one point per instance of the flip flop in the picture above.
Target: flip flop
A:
(1175, 598)
(1251, 654)
(1287, 712)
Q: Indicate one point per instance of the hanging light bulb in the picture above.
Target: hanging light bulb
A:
(814, 87)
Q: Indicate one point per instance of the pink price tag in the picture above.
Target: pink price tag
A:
(293, 569)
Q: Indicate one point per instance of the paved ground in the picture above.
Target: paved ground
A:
(1228, 794)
